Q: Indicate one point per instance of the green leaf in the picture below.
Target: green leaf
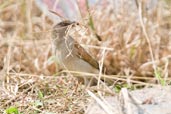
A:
(132, 51)
(12, 110)
(158, 75)
(40, 94)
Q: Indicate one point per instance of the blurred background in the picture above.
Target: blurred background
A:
(131, 37)
(136, 33)
(76, 9)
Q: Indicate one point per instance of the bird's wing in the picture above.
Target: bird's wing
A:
(82, 53)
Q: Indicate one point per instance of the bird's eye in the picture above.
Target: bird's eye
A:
(77, 23)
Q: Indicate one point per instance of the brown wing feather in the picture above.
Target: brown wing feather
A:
(82, 53)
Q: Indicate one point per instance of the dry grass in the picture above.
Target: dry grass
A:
(135, 47)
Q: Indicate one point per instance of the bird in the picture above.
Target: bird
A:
(70, 54)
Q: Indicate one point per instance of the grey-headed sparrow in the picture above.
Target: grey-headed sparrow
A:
(69, 53)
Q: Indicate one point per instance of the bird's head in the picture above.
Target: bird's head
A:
(61, 28)
(64, 25)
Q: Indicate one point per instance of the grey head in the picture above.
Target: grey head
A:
(60, 33)
(60, 30)
(62, 27)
